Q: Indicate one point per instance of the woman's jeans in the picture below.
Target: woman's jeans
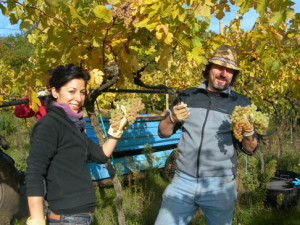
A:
(82, 218)
(181, 199)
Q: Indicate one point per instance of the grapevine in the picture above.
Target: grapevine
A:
(132, 107)
(242, 117)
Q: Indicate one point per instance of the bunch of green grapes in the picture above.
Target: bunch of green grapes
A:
(242, 118)
(124, 12)
(132, 107)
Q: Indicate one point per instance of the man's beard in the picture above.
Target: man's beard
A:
(218, 88)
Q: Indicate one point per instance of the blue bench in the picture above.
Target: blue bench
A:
(128, 155)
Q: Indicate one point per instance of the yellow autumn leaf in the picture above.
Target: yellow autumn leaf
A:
(149, 2)
(96, 43)
(175, 12)
(205, 11)
(197, 54)
(34, 101)
(162, 33)
(96, 78)
(159, 34)
(113, 2)
(103, 13)
(181, 16)
(165, 58)
(143, 23)
(169, 38)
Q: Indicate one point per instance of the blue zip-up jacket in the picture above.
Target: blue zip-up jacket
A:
(207, 147)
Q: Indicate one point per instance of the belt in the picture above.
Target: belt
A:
(54, 216)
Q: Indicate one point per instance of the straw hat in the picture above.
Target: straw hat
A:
(225, 56)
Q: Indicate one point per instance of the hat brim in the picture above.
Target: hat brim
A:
(225, 64)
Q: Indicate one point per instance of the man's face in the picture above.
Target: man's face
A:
(219, 78)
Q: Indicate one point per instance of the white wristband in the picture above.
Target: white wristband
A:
(248, 133)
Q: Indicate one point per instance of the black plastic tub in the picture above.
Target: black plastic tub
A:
(282, 183)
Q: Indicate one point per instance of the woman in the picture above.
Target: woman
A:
(59, 151)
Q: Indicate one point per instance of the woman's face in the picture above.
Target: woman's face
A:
(72, 93)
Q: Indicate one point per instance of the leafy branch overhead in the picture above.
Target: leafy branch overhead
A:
(173, 35)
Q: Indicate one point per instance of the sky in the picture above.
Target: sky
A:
(247, 23)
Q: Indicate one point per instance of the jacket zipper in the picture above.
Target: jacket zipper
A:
(202, 134)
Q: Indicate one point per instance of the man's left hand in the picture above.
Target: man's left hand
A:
(250, 131)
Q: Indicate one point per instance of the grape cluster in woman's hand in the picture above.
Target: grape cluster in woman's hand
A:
(131, 106)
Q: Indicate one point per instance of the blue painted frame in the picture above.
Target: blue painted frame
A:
(143, 131)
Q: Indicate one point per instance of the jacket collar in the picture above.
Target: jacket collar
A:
(64, 119)
(226, 92)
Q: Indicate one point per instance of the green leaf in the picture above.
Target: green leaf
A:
(268, 62)
(244, 6)
(197, 42)
(83, 21)
(275, 66)
(277, 16)
(167, 12)
(102, 12)
(13, 20)
(197, 54)
(195, 28)
(52, 3)
(76, 15)
(3, 10)
(19, 12)
(219, 14)
(261, 7)
(26, 24)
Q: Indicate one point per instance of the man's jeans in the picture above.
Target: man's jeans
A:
(83, 218)
(181, 199)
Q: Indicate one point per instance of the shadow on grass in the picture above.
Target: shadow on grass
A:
(277, 216)
(23, 213)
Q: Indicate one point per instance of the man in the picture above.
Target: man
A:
(207, 155)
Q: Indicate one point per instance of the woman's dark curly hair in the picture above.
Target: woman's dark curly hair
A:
(62, 75)
(205, 73)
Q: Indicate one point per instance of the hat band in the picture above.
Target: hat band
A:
(223, 59)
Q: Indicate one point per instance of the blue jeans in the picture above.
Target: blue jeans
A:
(181, 199)
(82, 218)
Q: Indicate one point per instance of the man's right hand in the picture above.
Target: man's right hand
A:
(179, 113)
